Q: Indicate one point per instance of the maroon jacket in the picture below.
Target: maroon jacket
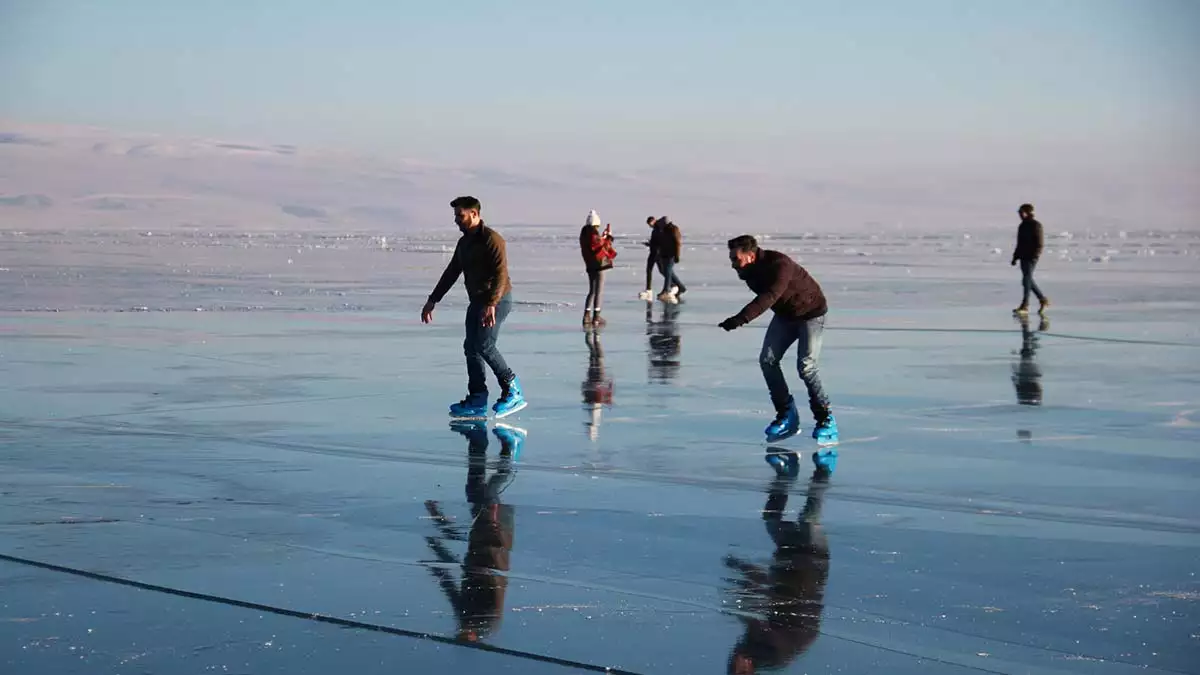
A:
(782, 285)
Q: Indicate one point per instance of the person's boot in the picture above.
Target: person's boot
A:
(587, 318)
(826, 430)
(474, 406)
(597, 321)
(785, 425)
(1022, 310)
(1045, 304)
(511, 400)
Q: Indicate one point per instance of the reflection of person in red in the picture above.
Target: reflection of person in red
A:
(598, 387)
(478, 599)
(788, 596)
(598, 255)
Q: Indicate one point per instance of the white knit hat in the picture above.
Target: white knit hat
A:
(593, 218)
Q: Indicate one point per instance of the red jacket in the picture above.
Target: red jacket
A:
(597, 249)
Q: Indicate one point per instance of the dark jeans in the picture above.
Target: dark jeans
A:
(595, 289)
(807, 336)
(667, 267)
(480, 347)
(1028, 284)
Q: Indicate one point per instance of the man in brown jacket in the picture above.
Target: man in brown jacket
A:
(480, 257)
(799, 306)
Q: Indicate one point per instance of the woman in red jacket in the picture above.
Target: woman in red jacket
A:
(598, 254)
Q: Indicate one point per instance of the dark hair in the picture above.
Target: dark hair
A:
(650, 220)
(1025, 208)
(466, 203)
(743, 244)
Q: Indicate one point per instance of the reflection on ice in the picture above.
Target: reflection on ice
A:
(478, 598)
(780, 603)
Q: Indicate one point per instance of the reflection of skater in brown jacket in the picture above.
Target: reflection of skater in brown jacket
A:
(786, 597)
(478, 598)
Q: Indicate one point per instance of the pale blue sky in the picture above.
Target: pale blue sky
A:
(621, 82)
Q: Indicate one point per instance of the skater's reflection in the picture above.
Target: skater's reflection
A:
(1027, 375)
(663, 336)
(782, 602)
(598, 387)
(478, 598)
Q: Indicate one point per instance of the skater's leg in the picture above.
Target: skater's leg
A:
(667, 267)
(1026, 281)
(1033, 284)
(473, 350)
(589, 302)
(488, 351)
(808, 352)
(598, 290)
(780, 336)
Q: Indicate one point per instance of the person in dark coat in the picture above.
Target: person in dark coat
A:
(799, 307)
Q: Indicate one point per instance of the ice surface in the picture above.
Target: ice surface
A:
(284, 451)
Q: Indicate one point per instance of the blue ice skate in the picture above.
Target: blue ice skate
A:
(512, 439)
(473, 407)
(511, 401)
(786, 425)
(826, 431)
(825, 461)
(785, 463)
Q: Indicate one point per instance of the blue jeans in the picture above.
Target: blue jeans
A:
(667, 267)
(480, 347)
(1028, 284)
(779, 338)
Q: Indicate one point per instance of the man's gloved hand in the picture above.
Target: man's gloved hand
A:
(730, 323)
(1013, 263)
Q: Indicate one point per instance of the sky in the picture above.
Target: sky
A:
(765, 84)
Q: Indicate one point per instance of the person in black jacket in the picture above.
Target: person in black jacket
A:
(799, 305)
(1029, 249)
(666, 243)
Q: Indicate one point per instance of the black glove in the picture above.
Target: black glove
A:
(730, 323)
(1013, 263)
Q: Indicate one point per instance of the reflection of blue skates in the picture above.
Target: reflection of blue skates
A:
(512, 439)
(511, 401)
(473, 407)
(786, 425)
(826, 431)
(784, 462)
(825, 460)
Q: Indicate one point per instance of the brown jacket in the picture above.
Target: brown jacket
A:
(782, 285)
(665, 242)
(482, 259)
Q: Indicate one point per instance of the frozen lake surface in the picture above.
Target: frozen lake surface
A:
(270, 484)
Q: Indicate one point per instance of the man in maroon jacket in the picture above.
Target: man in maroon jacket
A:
(799, 306)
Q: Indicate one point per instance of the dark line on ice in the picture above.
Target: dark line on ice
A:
(998, 331)
(319, 618)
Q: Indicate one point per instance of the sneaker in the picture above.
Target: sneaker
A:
(646, 295)
(512, 439)
(825, 462)
(474, 406)
(1045, 304)
(1022, 310)
(511, 400)
(826, 431)
(666, 295)
(786, 424)
(784, 463)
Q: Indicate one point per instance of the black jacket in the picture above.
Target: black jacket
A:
(1029, 240)
(782, 285)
